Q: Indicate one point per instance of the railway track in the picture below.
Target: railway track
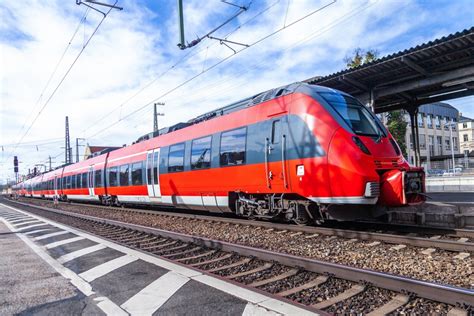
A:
(457, 240)
(319, 285)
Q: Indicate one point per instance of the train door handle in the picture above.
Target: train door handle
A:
(270, 175)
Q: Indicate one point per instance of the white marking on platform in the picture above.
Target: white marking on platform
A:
(106, 305)
(51, 235)
(63, 242)
(31, 226)
(152, 297)
(222, 285)
(36, 231)
(106, 267)
(79, 253)
(26, 222)
(16, 221)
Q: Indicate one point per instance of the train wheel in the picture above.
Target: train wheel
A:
(297, 213)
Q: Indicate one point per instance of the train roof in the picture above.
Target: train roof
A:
(242, 104)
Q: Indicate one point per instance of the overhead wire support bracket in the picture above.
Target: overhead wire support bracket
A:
(111, 6)
(224, 41)
(183, 46)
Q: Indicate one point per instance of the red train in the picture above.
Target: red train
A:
(299, 152)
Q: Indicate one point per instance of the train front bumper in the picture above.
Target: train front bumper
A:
(402, 187)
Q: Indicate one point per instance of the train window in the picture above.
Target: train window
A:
(137, 173)
(124, 171)
(63, 183)
(78, 181)
(148, 167)
(84, 180)
(276, 131)
(73, 182)
(233, 147)
(176, 158)
(113, 177)
(201, 153)
(98, 178)
(155, 167)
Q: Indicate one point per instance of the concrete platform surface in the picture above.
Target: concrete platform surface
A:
(50, 269)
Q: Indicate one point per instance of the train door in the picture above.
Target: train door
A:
(90, 181)
(153, 173)
(275, 155)
(55, 186)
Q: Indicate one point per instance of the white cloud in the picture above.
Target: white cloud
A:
(135, 45)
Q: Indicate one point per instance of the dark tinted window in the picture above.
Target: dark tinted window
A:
(155, 168)
(149, 165)
(113, 177)
(73, 182)
(124, 171)
(137, 173)
(78, 181)
(84, 180)
(357, 116)
(201, 153)
(98, 178)
(176, 158)
(233, 147)
(276, 132)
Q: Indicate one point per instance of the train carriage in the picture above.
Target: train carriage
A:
(297, 152)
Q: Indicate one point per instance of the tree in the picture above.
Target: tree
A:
(361, 57)
(397, 125)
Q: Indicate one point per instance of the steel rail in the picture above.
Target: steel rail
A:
(438, 292)
(449, 245)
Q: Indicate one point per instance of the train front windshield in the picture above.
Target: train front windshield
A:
(357, 116)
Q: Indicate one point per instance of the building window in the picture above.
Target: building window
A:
(464, 125)
(447, 144)
(439, 142)
(137, 173)
(232, 150)
(201, 153)
(422, 142)
(465, 137)
(455, 143)
(429, 121)
(176, 158)
(431, 145)
(438, 122)
(446, 122)
(420, 120)
(113, 177)
(124, 175)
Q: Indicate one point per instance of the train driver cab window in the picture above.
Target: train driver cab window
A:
(137, 173)
(233, 147)
(124, 171)
(201, 153)
(98, 178)
(276, 132)
(176, 158)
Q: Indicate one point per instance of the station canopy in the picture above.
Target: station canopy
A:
(435, 71)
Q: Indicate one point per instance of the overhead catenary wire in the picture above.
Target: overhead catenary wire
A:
(175, 65)
(215, 65)
(64, 77)
(56, 68)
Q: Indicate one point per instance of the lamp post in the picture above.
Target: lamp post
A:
(452, 143)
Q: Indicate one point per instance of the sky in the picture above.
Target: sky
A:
(133, 61)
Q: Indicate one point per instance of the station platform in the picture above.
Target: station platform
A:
(49, 268)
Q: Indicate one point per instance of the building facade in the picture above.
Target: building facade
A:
(438, 135)
(466, 135)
